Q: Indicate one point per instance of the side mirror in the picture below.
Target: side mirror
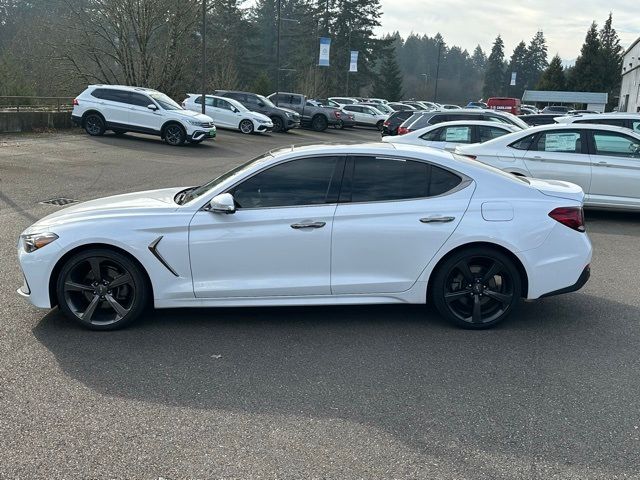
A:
(223, 203)
(260, 104)
(153, 107)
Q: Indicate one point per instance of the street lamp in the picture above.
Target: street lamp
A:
(204, 52)
(280, 19)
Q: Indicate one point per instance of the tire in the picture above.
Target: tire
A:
(174, 134)
(94, 124)
(476, 288)
(119, 132)
(246, 127)
(278, 124)
(319, 123)
(379, 125)
(102, 289)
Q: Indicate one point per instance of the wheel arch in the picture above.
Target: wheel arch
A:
(92, 111)
(171, 122)
(524, 278)
(81, 248)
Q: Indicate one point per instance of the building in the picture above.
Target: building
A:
(593, 100)
(630, 89)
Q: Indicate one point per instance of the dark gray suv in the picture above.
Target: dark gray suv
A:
(283, 119)
(421, 119)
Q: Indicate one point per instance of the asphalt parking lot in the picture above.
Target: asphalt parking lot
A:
(324, 392)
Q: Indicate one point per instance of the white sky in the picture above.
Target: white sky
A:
(467, 23)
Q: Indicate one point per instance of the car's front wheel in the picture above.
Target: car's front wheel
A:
(476, 288)
(102, 289)
(174, 135)
(246, 127)
(278, 124)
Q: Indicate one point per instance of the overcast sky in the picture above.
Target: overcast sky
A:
(467, 23)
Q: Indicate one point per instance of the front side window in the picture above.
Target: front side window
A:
(616, 144)
(559, 142)
(223, 104)
(139, 100)
(308, 181)
(382, 179)
(635, 125)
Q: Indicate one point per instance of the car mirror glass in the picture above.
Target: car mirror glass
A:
(223, 203)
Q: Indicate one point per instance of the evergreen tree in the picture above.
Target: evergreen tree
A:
(535, 60)
(553, 77)
(262, 84)
(388, 82)
(587, 73)
(517, 64)
(479, 59)
(611, 60)
(494, 74)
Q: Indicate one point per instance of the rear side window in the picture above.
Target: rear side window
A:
(489, 133)
(384, 179)
(119, 96)
(523, 143)
(561, 141)
(439, 119)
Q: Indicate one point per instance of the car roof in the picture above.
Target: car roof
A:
(126, 88)
(579, 126)
(597, 116)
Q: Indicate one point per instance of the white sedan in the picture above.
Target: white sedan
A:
(604, 160)
(316, 225)
(448, 135)
(229, 113)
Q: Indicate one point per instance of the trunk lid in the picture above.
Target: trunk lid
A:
(558, 188)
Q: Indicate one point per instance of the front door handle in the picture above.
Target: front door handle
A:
(437, 219)
(603, 164)
(301, 225)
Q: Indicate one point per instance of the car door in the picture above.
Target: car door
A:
(369, 116)
(457, 135)
(393, 216)
(560, 155)
(278, 241)
(615, 160)
(356, 111)
(141, 116)
(225, 113)
(114, 105)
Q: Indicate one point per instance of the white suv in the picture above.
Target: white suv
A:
(132, 109)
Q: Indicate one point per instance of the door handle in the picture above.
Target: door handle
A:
(437, 219)
(302, 225)
(539, 158)
(603, 164)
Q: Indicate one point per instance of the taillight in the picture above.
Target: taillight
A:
(75, 102)
(386, 124)
(337, 114)
(571, 217)
(403, 130)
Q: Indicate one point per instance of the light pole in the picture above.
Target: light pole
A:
(204, 52)
(278, 69)
(435, 93)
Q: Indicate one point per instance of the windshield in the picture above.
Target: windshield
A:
(266, 101)
(515, 120)
(165, 102)
(186, 196)
(236, 104)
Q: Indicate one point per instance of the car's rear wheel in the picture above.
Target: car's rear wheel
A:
(477, 288)
(246, 127)
(319, 123)
(102, 289)
(174, 135)
(339, 125)
(278, 124)
(94, 125)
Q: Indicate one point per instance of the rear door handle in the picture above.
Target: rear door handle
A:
(437, 219)
(603, 164)
(302, 225)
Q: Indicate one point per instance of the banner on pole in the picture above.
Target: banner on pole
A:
(325, 46)
(353, 64)
(513, 78)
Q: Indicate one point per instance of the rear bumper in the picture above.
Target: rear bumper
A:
(584, 278)
(76, 120)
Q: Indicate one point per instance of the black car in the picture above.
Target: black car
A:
(557, 109)
(390, 126)
(539, 119)
(283, 119)
(397, 106)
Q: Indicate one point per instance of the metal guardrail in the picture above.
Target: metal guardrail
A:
(23, 103)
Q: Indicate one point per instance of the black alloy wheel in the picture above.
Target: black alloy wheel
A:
(94, 125)
(246, 127)
(319, 123)
(477, 288)
(174, 135)
(101, 289)
(278, 124)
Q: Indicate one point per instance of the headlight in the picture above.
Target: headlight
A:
(289, 114)
(197, 123)
(263, 121)
(35, 241)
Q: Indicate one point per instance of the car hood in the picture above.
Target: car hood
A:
(288, 110)
(192, 115)
(116, 205)
(259, 116)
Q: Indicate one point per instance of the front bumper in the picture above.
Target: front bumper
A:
(292, 123)
(262, 128)
(202, 134)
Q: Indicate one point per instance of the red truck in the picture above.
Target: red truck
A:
(505, 104)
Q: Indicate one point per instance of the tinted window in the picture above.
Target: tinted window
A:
(616, 144)
(98, 93)
(299, 182)
(439, 119)
(489, 133)
(560, 141)
(218, 103)
(635, 125)
(433, 135)
(492, 118)
(523, 143)
(119, 96)
(380, 179)
(605, 121)
(139, 100)
(208, 101)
